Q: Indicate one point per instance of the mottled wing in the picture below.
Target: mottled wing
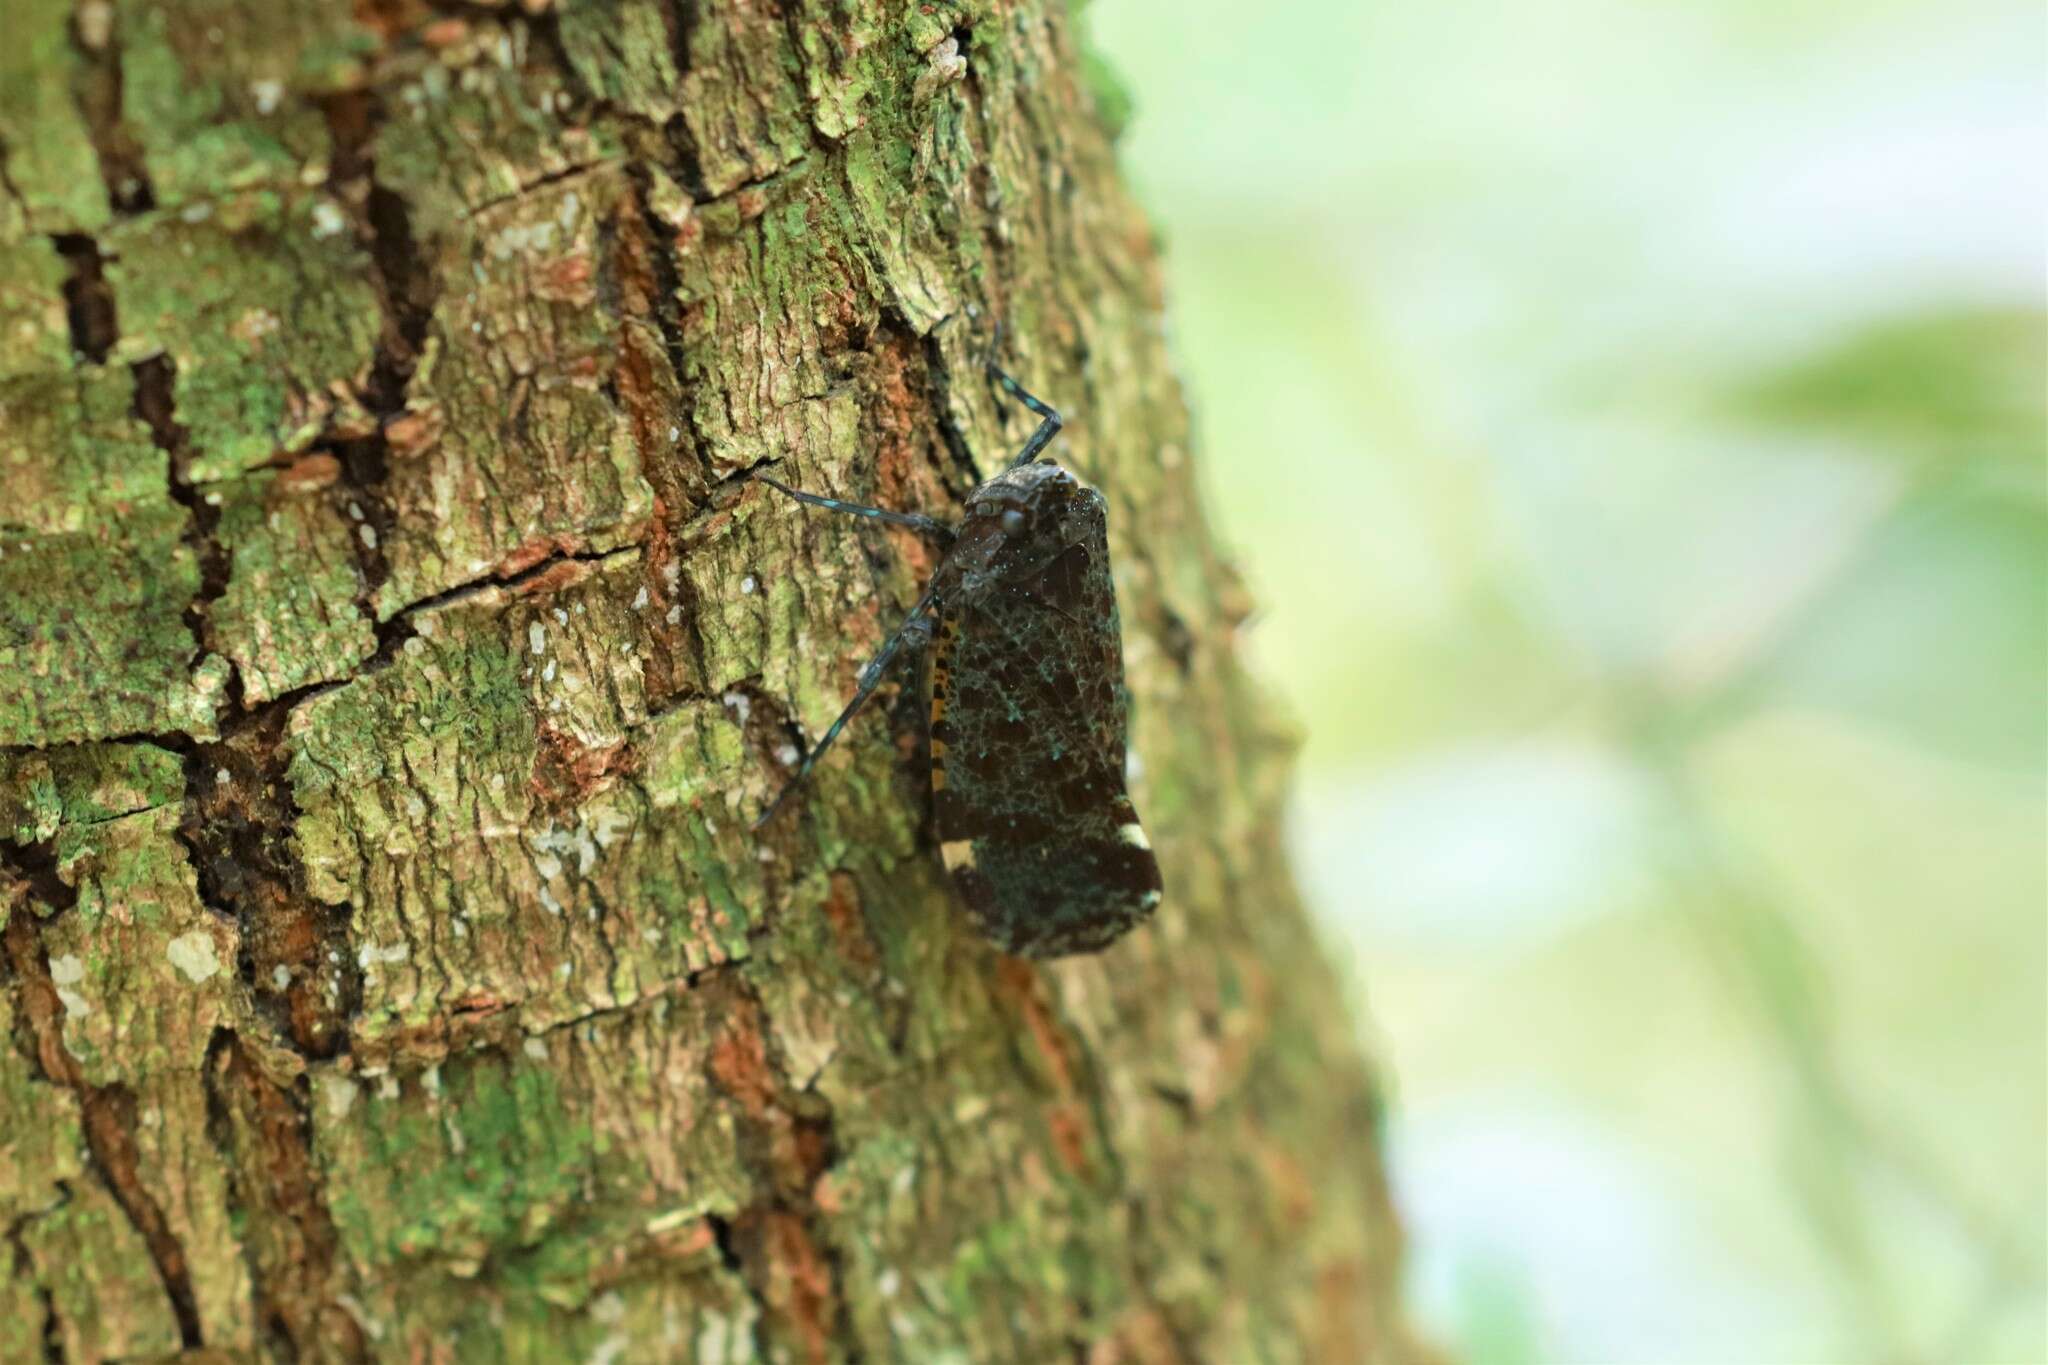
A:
(1028, 741)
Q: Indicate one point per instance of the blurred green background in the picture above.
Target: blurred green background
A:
(1632, 419)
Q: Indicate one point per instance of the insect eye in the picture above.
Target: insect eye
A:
(1013, 521)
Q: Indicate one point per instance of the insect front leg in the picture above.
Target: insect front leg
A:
(913, 635)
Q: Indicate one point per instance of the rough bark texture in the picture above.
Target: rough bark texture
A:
(392, 653)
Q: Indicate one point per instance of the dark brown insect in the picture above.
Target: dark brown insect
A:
(1027, 708)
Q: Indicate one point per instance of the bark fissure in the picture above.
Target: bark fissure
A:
(108, 1117)
(88, 301)
(405, 289)
(50, 1333)
(293, 1254)
(781, 1242)
(98, 95)
(236, 831)
(32, 864)
(156, 405)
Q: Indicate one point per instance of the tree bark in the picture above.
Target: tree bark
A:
(393, 654)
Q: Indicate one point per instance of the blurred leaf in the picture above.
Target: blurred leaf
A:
(1949, 386)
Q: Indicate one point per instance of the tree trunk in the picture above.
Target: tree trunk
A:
(393, 654)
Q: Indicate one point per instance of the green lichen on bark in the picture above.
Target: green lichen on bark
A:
(396, 654)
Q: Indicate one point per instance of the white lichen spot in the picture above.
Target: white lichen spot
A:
(426, 626)
(640, 598)
(537, 637)
(747, 584)
(221, 777)
(369, 955)
(672, 573)
(789, 755)
(340, 1094)
(387, 1089)
(564, 970)
(612, 1347)
(414, 646)
(547, 674)
(674, 615)
(497, 782)
(609, 1308)
(887, 1283)
(561, 617)
(67, 970)
(93, 22)
(368, 533)
(715, 1337)
(535, 1048)
(549, 903)
(280, 977)
(213, 499)
(75, 1005)
(267, 95)
(355, 511)
(328, 219)
(668, 1221)
(430, 1081)
(945, 60)
(193, 954)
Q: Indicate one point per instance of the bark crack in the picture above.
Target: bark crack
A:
(97, 91)
(292, 1248)
(779, 1244)
(51, 1336)
(107, 1113)
(238, 818)
(88, 298)
(156, 405)
(406, 288)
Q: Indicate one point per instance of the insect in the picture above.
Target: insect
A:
(1035, 827)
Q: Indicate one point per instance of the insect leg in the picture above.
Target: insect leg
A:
(1049, 421)
(916, 632)
(916, 521)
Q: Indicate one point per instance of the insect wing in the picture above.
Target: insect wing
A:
(1028, 740)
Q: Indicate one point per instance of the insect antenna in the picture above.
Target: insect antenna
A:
(1049, 420)
(916, 521)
